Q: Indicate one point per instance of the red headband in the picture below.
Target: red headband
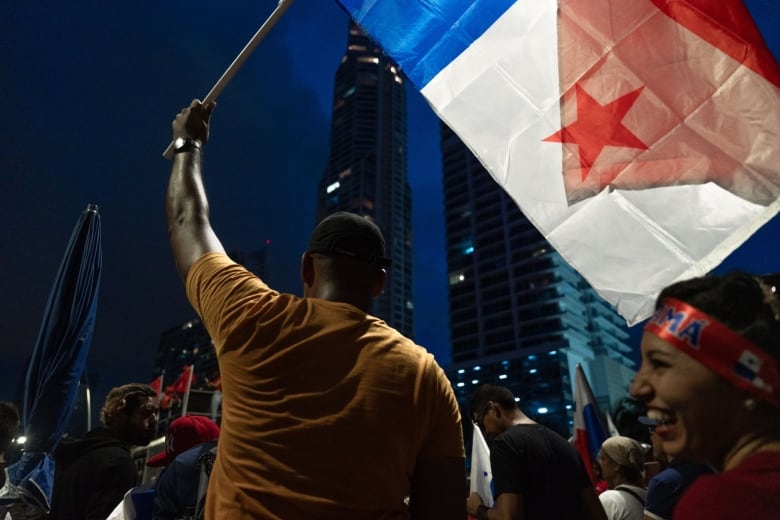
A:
(731, 356)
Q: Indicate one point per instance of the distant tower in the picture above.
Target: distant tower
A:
(366, 170)
(182, 345)
(520, 316)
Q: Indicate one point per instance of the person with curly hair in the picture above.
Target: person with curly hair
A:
(92, 474)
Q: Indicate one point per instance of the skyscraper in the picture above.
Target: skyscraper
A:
(366, 170)
(520, 316)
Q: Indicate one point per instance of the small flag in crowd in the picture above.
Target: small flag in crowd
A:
(589, 426)
(481, 477)
(157, 385)
(178, 391)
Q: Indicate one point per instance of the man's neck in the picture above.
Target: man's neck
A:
(519, 417)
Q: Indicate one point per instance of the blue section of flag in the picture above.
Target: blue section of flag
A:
(593, 428)
(744, 371)
(767, 19)
(423, 36)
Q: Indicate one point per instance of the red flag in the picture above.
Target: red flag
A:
(157, 385)
(184, 382)
(179, 389)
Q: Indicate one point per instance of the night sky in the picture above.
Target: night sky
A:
(90, 89)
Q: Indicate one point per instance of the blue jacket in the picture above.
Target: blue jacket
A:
(177, 485)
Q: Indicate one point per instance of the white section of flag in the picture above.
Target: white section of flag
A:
(481, 476)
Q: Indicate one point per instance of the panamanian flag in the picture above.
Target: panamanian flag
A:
(641, 137)
(481, 475)
(590, 429)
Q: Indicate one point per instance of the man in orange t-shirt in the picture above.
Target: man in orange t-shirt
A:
(327, 411)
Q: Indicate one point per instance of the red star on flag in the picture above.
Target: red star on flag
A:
(598, 126)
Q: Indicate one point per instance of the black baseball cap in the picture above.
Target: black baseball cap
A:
(352, 235)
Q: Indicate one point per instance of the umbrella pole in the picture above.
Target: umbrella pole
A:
(89, 409)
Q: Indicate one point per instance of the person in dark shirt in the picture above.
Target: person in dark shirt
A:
(93, 474)
(536, 472)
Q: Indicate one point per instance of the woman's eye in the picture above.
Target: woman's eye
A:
(657, 363)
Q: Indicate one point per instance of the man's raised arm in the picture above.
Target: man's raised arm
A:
(186, 205)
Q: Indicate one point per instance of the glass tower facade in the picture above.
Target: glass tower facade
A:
(520, 316)
(366, 170)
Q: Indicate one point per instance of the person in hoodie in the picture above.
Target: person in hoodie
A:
(93, 474)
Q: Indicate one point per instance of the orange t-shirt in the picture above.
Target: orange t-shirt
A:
(325, 409)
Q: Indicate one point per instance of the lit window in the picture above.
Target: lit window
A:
(542, 410)
(477, 368)
(368, 59)
(474, 381)
(345, 173)
(461, 371)
(333, 187)
(532, 371)
(461, 384)
(532, 357)
(552, 352)
(457, 278)
(502, 376)
(568, 407)
(469, 250)
(517, 399)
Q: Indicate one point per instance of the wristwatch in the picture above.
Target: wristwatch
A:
(185, 144)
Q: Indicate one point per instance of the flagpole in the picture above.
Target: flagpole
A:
(186, 400)
(247, 51)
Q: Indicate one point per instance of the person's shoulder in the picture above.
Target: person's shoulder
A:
(193, 455)
(610, 494)
(217, 258)
(400, 343)
(215, 264)
(535, 432)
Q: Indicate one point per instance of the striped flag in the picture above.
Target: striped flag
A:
(589, 426)
(639, 137)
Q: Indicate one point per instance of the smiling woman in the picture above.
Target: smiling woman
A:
(710, 377)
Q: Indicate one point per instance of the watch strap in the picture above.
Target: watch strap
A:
(186, 144)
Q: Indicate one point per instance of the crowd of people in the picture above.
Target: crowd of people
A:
(327, 412)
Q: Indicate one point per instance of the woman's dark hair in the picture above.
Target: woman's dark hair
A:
(745, 303)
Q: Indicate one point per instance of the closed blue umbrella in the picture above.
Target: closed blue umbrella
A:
(59, 357)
